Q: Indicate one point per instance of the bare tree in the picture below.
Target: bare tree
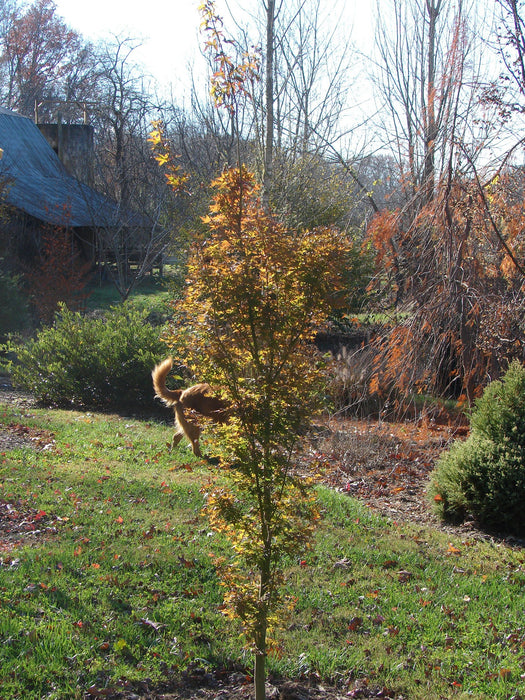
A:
(428, 73)
(269, 101)
(122, 111)
(512, 45)
(507, 92)
(294, 114)
(308, 80)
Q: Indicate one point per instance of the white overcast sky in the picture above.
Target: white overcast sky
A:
(169, 29)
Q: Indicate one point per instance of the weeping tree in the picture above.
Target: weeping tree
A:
(442, 255)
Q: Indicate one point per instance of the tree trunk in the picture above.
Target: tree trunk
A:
(430, 117)
(269, 96)
(259, 677)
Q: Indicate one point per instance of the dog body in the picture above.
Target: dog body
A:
(197, 398)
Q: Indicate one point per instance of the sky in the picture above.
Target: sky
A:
(169, 29)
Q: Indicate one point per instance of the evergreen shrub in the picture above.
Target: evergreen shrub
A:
(485, 475)
(102, 363)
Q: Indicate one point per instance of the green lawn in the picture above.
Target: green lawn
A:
(151, 293)
(119, 583)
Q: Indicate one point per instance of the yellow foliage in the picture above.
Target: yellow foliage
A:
(255, 296)
(164, 156)
(231, 79)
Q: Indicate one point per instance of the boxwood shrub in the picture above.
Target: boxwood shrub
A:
(99, 362)
(485, 475)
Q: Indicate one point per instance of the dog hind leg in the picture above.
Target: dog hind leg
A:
(196, 447)
(177, 437)
(185, 427)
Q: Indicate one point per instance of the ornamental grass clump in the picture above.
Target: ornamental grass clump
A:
(484, 476)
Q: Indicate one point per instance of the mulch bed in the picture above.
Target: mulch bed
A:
(387, 465)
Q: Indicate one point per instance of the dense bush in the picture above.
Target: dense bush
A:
(14, 314)
(485, 474)
(101, 363)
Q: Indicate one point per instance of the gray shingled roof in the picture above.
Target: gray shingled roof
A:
(39, 184)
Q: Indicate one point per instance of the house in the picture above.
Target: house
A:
(39, 192)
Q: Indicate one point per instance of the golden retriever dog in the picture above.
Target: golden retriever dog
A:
(196, 398)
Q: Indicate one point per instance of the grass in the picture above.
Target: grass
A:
(151, 293)
(119, 585)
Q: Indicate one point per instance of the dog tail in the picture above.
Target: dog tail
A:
(159, 374)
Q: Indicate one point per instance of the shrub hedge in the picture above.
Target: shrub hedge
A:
(93, 362)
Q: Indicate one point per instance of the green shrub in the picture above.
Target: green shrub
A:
(485, 474)
(14, 313)
(102, 363)
(499, 414)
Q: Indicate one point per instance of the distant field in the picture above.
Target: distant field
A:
(152, 293)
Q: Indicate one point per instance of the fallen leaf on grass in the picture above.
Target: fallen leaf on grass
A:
(157, 626)
(404, 576)
(389, 564)
(148, 534)
(186, 563)
(187, 467)
(355, 623)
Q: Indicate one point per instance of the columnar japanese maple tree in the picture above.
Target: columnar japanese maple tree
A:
(256, 294)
